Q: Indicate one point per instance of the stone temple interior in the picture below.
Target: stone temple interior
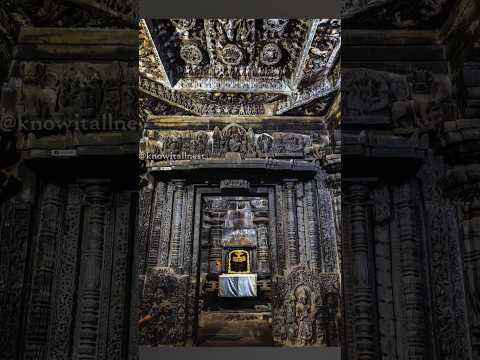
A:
(241, 182)
(184, 182)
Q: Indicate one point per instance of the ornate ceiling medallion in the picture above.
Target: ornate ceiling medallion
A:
(191, 54)
(184, 24)
(271, 54)
(231, 55)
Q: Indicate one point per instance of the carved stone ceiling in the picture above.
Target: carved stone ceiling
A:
(240, 66)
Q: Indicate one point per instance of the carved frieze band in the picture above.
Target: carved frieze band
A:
(397, 101)
(157, 146)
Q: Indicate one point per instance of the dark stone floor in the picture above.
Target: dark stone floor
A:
(235, 328)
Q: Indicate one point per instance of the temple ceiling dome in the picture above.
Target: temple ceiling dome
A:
(240, 66)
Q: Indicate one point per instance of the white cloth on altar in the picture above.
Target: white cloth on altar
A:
(237, 285)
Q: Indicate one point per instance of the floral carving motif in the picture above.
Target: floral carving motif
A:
(271, 54)
(191, 54)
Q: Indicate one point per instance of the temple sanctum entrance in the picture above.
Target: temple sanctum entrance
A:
(239, 239)
(237, 251)
(235, 263)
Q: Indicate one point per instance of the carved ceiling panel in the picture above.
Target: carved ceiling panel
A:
(240, 66)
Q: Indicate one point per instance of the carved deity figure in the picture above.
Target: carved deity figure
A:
(304, 315)
(83, 92)
(423, 109)
(236, 30)
(40, 91)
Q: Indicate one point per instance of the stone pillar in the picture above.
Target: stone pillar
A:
(463, 185)
(334, 181)
(42, 290)
(312, 227)
(139, 261)
(263, 258)
(87, 333)
(215, 250)
(471, 229)
(292, 226)
(361, 294)
(177, 231)
(410, 271)
(155, 228)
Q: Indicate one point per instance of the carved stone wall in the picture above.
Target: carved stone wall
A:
(81, 245)
(297, 228)
(67, 240)
(405, 273)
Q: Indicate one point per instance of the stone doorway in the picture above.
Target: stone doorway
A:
(235, 304)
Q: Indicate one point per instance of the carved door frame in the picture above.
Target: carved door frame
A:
(202, 190)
